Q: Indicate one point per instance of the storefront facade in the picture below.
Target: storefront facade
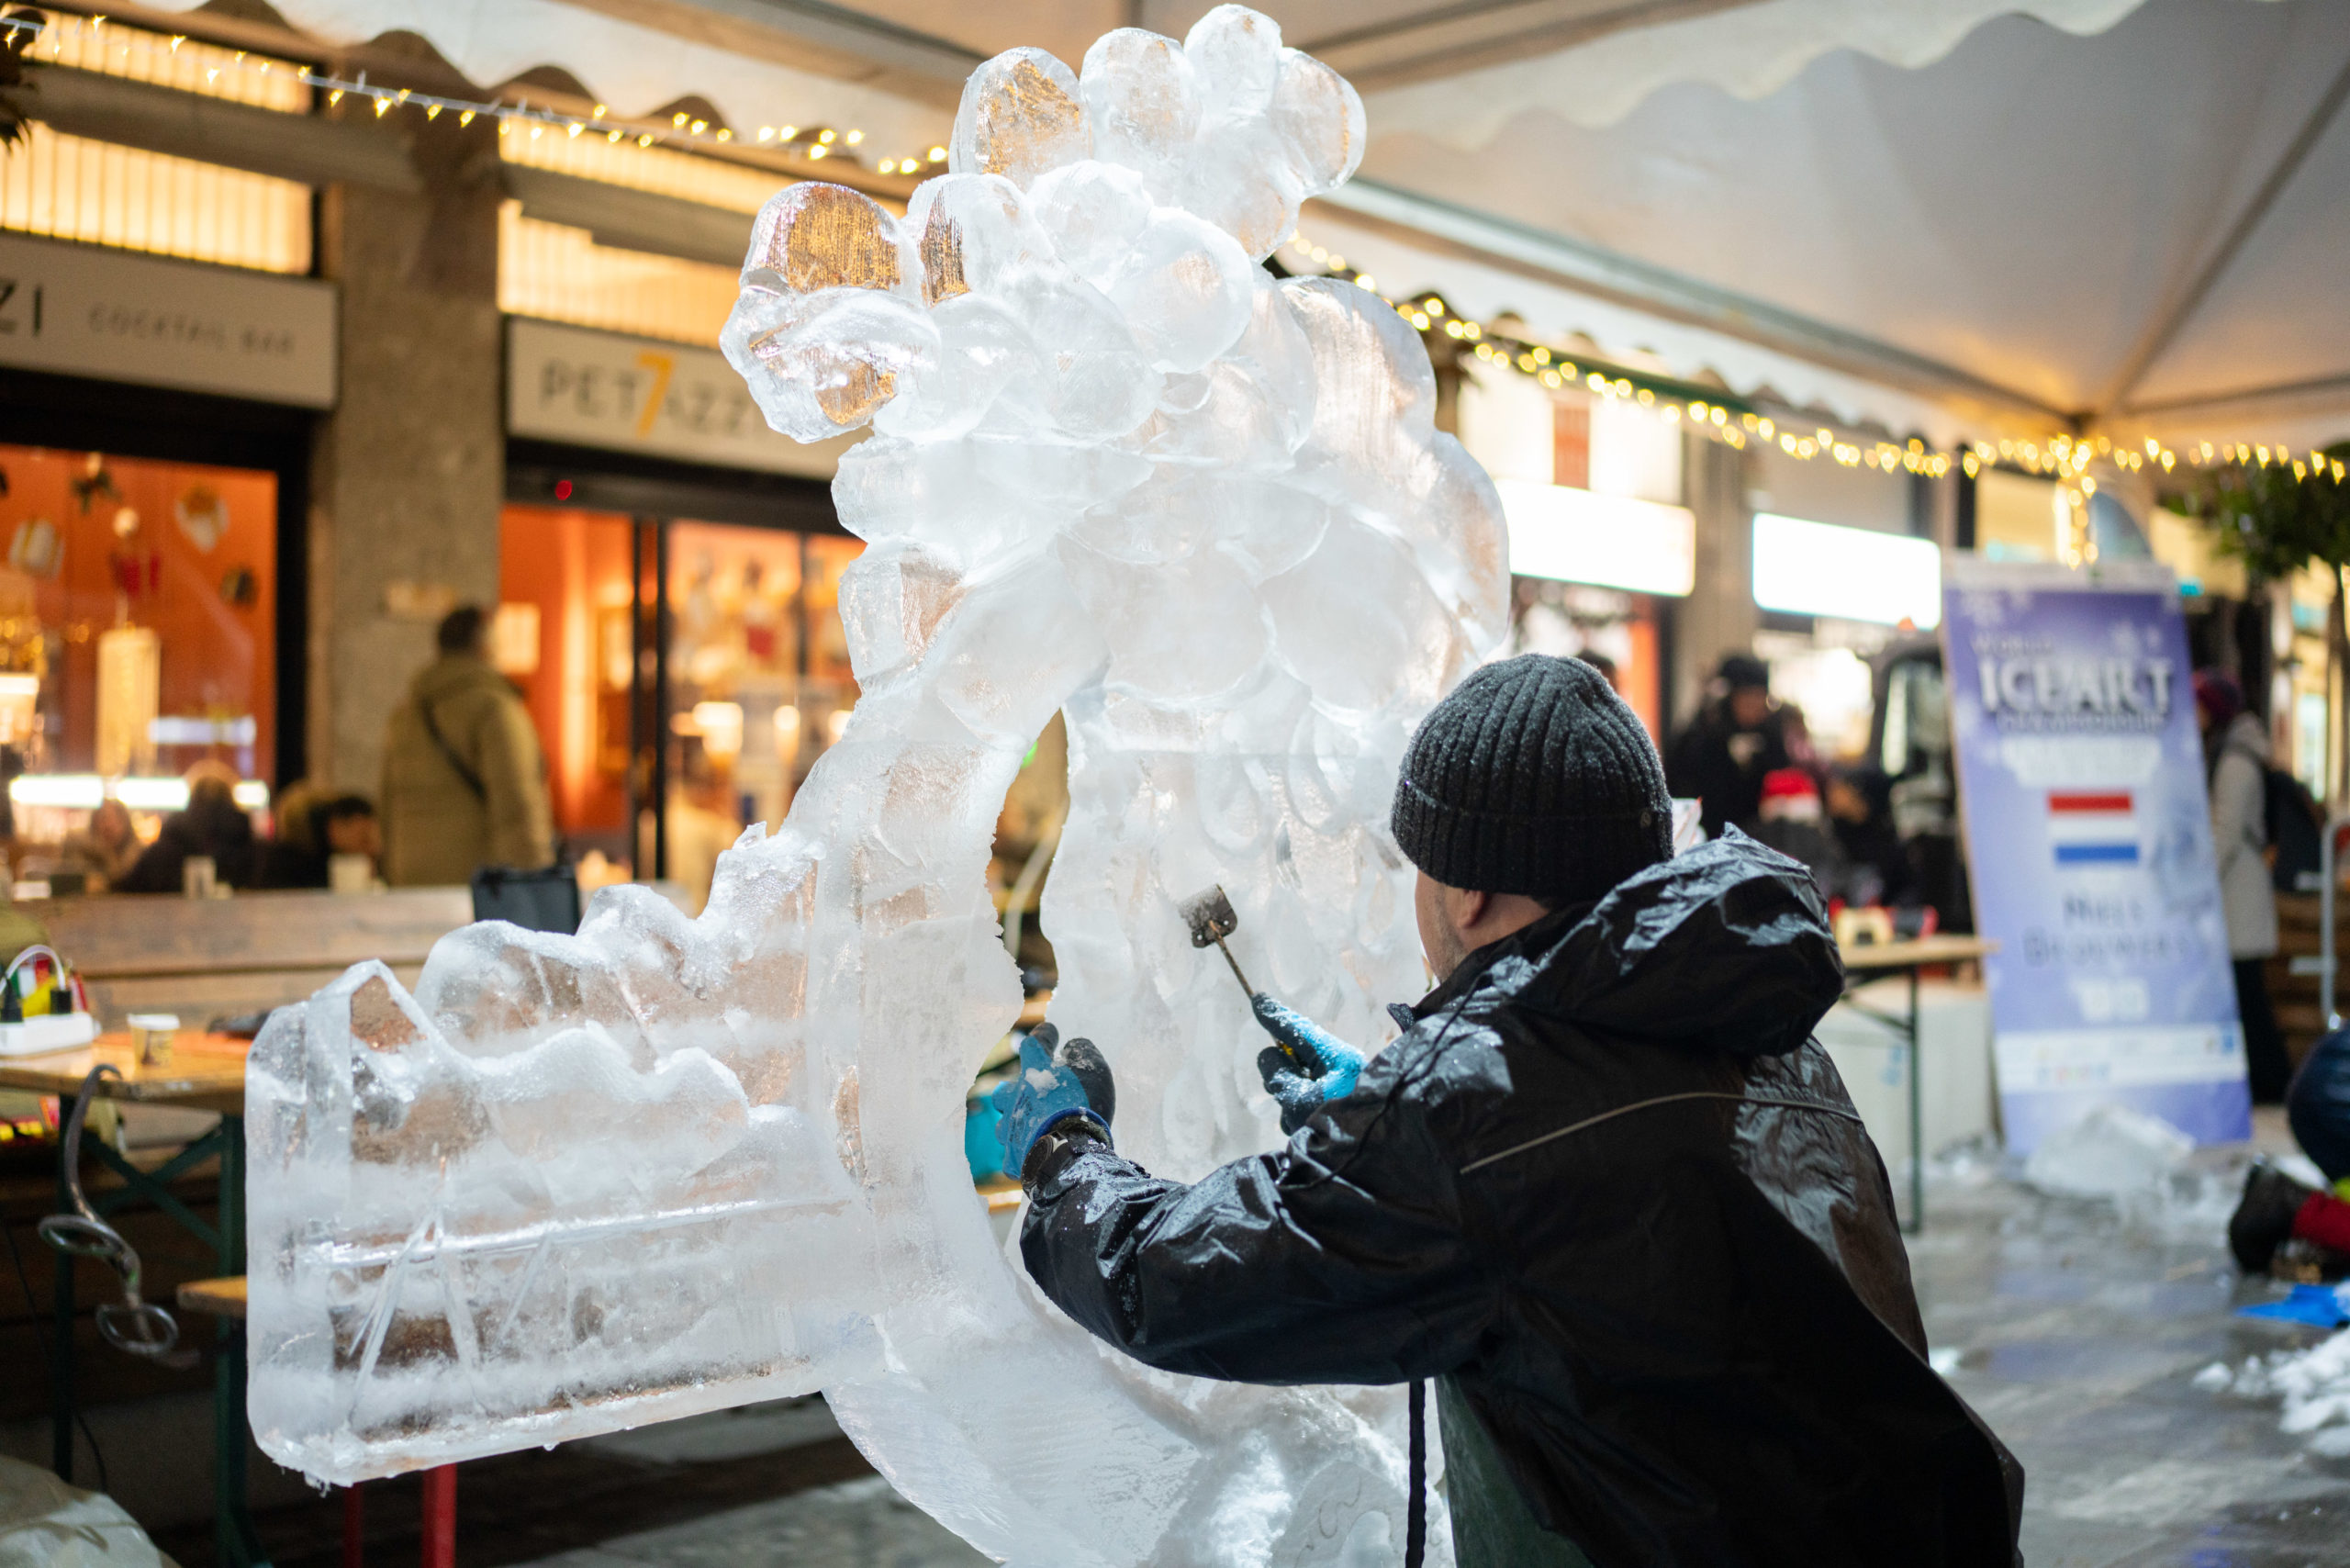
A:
(669, 597)
(159, 416)
(265, 427)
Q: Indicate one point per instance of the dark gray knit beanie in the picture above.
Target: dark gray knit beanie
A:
(1533, 776)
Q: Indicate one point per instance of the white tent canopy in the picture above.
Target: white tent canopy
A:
(1962, 218)
(2062, 217)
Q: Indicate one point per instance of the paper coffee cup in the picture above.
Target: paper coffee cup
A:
(151, 1035)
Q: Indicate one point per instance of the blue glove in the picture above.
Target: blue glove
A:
(1306, 1067)
(1055, 1083)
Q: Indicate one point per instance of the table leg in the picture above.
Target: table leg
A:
(61, 1369)
(236, 1543)
(1917, 1117)
(231, 1546)
(354, 1525)
(440, 1516)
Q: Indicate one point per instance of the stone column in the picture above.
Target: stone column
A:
(1718, 617)
(408, 474)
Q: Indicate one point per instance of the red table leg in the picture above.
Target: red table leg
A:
(354, 1527)
(440, 1516)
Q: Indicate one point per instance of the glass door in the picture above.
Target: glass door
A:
(684, 677)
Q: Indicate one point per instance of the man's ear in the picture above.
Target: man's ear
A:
(1469, 907)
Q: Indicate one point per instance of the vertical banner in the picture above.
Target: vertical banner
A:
(2088, 837)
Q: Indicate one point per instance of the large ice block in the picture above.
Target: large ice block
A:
(577, 1184)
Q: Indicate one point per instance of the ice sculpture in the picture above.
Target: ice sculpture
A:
(580, 1183)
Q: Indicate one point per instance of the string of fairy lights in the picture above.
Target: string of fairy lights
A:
(1727, 419)
(1721, 416)
(59, 38)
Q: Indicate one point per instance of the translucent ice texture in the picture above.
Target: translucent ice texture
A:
(580, 1183)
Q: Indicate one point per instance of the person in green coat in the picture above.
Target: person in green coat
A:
(464, 782)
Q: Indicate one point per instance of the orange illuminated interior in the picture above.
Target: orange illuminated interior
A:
(95, 541)
(565, 638)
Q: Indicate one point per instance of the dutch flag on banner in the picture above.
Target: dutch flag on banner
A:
(2093, 827)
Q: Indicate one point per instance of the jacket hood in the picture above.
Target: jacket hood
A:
(450, 674)
(1725, 947)
(2246, 733)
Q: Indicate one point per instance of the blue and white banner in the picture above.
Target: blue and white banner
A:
(2089, 836)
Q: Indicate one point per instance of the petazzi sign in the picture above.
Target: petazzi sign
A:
(585, 387)
(116, 315)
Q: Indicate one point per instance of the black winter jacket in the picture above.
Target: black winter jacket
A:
(1609, 1184)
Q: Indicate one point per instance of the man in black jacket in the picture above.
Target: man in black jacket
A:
(1604, 1189)
(1735, 740)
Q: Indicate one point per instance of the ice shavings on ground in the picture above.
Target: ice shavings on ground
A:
(2149, 1171)
(2111, 1152)
(578, 1183)
(2313, 1385)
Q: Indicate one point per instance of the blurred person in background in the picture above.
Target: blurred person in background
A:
(1794, 734)
(106, 850)
(1736, 738)
(311, 831)
(2235, 754)
(1860, 811)
(1792, 821)
(282, 857)
(211, 826)
(464, 784)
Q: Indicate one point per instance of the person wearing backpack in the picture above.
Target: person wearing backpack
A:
(2296, 825)
(2235, 749)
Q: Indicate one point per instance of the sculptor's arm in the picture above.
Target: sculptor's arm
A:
(1338, 1259)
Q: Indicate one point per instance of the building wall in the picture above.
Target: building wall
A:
(1820, 490)
(409, 471)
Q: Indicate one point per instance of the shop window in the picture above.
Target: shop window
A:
(759, 679)
(686, 175)
(69, 187)
(137, 630)
(563, 633)
(662, 755)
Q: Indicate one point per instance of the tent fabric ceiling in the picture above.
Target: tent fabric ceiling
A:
(636, 67)
(2023, 209)
(1483, 292)
(2030, 193)
(1749, 51)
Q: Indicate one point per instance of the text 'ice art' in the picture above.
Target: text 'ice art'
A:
(581, 1183)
